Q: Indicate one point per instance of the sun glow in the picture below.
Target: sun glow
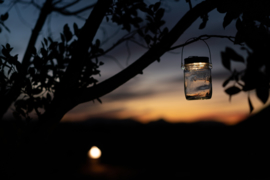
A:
(94, 152)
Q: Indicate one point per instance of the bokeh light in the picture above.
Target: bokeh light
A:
(94, 152)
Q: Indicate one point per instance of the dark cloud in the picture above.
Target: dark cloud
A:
(124, 95)
(216, 75)
(220, 75)
(204, 87)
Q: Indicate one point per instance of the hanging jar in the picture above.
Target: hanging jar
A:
(197, 77)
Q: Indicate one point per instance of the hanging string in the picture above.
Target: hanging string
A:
(210, 60)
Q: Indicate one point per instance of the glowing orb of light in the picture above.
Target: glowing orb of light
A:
(94, 152)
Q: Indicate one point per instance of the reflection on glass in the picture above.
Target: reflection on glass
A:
(198, 82)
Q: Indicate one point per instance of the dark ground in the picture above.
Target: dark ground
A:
(157, 150)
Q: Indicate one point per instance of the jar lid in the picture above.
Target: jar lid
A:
(195, 59)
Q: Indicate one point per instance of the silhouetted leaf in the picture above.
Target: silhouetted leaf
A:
(147, 38)
(126, 26)
(202, 25)
(67, 33)
(17, 116)
(205, 19)
(156, 6)
(43, 52)
(34, 51)
(227, 19)
(262, 93)
(226, 82)
(239, 38)
(9, 71)
(140, 32)
(30, 105)
(45, 41)
(62, 37)
(137, 20)
(153, 28)
(21, 104)
(76, 29)
(50, 39)
(31, 71)
(151, 6)
(232, 90)
(97, 43)
(249, 85)
(13, 76)
(49, 98)
(226, 61)
(221, 9)
(36, 91)
(239, 25)
(250, 105)
(99, 101)
(150, 19)
(233, 55)
(159, 14)
(4, 16)
(164, 32)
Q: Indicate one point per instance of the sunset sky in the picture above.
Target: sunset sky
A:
(159, 92)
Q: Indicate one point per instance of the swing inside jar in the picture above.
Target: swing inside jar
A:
(198, 81)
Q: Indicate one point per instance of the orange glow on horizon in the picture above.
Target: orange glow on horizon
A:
(172, 107)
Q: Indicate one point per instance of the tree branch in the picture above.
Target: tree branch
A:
(123, 39)
(68, 5)
(68, 13)
(203, 37)
(149, 57)
(45, 11)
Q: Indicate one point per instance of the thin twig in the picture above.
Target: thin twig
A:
(190, 5)
(139, 44)
(203, 37)
(35, 4)
(113, 35)
(115, 60)
(57, 2)
(69, 13)
(129, 53)
(68, 5)
(115, 45)
(21, 18)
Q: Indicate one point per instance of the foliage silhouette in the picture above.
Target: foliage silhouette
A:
(3, 18)
(252, 24)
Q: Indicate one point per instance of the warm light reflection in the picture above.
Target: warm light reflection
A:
(94, 152)
(199, 65)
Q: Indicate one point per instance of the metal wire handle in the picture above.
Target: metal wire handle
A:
(210, 60)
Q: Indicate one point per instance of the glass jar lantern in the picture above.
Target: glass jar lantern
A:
(197, 77)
